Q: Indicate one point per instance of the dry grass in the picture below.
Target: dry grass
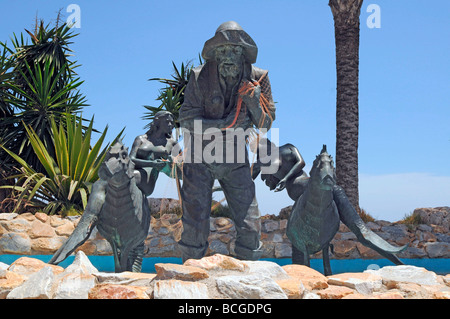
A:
(411, 219)
(217, 210)
(365, 216)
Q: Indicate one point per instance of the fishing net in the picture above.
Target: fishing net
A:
(248, 88)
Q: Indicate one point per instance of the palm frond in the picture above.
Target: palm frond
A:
(171, 96)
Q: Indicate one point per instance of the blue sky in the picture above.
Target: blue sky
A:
(404, 138)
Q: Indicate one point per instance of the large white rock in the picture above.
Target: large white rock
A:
(77, 279)
(249, 287)
(81, 265)
(125, 278)
(3, 266)
(38, 286)
(177, 289)
(267, 268)
(406, 273)
(310, 295)
(74, 286)
(364, 283)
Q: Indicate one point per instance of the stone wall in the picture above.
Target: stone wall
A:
(435, 216)
(40, 234)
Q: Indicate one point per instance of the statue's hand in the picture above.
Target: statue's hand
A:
(281, 185)
(160, 164)
(251, 97)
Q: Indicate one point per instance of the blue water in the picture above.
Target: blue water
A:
(440, 266)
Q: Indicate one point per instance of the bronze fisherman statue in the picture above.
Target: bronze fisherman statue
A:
(226, 93)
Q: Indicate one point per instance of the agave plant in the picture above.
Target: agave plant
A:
(69, 174)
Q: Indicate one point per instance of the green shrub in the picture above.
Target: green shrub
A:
(68, 176)
(177, 210)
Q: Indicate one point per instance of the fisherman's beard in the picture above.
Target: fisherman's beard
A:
(229, 69)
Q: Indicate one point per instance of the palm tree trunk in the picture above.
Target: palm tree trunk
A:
(346, 27)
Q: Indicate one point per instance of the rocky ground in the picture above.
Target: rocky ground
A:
(215, 277)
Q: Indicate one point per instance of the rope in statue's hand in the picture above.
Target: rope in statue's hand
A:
(250, 93)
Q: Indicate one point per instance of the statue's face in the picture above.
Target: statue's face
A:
(165, 125)
(229, 58)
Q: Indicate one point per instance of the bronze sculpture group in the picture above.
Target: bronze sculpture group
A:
(118, 204)
(319, 207)
(225, 94)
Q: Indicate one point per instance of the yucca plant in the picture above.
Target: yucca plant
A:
(68, 176)
(48, 44)
(38, 83)
(36, 105)
(6, 111)
(6, 63)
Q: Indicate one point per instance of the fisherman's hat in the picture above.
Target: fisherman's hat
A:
(231, 33)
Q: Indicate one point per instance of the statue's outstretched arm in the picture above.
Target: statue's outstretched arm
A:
(142, 163)
(86, 224)
(299, 163)
(296, 170)
(159, 164)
